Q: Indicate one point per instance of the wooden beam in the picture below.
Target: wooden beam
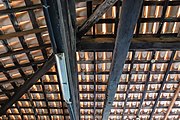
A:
(126, 27)
(172, 102)
(161, 3)
(22, 33)
(103, 8)
(107, 44)
(60, 19)
(20, 9)
(28, 84)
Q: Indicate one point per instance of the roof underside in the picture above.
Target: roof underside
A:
(148, 83)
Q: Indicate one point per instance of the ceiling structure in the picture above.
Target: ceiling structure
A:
(122, 59)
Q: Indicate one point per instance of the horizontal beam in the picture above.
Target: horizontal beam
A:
(161, 3)
(107, 44)
(22, 33)
(20, 9)
(28, 84)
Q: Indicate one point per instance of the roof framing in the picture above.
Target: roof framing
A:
(28, 84)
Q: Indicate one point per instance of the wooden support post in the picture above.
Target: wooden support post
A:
(126, 27)
(62, 31)
(172, 102)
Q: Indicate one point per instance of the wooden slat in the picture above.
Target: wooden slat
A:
(172, 102)
(126, 27)
(22, 33)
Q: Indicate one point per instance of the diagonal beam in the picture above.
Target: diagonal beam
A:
(126, 27)
(28, 83)
(172, 102)
(98, 13)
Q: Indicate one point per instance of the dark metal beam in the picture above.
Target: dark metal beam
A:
(107, 44)
(103, 8)
(28, 84)
(162, 85)
(126, 27)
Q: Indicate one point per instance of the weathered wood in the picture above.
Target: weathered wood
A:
(20, 9)
(107, 44)
(126, 27)
(103, 8)
(28, 84)
(62, 29)
(22, 33)
(172, 102)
